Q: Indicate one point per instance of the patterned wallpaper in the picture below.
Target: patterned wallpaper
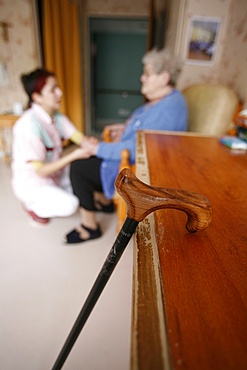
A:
(233, 66)
(20, 54)
(230, 63)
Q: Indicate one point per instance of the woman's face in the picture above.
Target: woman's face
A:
(152, 83)
(50, 96)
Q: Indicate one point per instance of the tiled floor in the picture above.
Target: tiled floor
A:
(43, 285)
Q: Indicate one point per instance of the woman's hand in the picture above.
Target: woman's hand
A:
(115, 130)
(91, 144)
(80, 153)
(47, 169)
(89, 139)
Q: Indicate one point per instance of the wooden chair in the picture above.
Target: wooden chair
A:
(118, 201)
(124, 163)
(212, 108)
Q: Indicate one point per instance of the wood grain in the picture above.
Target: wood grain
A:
(203, 276)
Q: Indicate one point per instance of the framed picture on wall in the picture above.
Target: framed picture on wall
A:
(203, 38)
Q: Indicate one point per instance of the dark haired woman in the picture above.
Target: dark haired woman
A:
(39, 171)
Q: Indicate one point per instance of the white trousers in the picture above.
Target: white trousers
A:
(49, 201)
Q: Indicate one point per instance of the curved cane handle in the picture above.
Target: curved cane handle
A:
(142, 199)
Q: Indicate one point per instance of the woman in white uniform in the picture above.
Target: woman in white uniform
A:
(39, 171)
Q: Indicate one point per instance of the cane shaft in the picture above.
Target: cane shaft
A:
(108, 267)
(141, 200)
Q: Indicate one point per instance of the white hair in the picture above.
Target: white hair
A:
(162, 60)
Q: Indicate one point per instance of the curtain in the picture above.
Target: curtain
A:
(61, 44)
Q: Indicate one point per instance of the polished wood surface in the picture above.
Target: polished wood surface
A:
(190, 290)
(7, 120)
(120, 204)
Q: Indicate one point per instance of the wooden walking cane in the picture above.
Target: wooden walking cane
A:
(141, 199)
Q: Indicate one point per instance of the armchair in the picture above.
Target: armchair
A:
(212, 108)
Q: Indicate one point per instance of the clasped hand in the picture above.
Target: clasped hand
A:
(90, 144)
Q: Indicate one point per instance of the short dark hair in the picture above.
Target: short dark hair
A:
(35, 81)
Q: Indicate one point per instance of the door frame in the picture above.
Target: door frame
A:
(85, 58)
(130, 29)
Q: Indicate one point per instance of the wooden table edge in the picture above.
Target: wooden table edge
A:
(149, 346)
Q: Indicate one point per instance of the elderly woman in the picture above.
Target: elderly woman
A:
(165, 110)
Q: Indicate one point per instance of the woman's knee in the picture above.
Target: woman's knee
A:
(69, 206)
(60, 204)
(78, 167)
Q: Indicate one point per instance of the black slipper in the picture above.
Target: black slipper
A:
(74, 236)
(110, 208)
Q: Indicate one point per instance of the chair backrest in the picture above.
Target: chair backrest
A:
(211, 108)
